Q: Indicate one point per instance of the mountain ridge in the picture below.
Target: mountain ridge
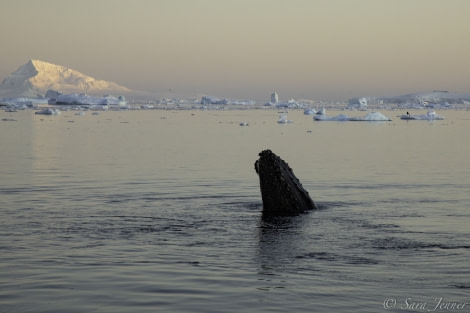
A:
(36, 77)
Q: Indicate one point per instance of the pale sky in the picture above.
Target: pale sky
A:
(246, 49)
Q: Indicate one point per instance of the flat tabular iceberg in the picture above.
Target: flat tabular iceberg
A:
(83, 99)
(210, 100)
(430, 116)
(372, 116)
(340, 117)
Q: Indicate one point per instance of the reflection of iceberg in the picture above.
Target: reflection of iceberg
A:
(49, 111)
(430, 116)
(372, 116)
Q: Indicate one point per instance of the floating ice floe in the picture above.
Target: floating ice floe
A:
(430, 116)
(340, 117)
(310, 112)
(283, 119)
(48, 111)
(372, 116)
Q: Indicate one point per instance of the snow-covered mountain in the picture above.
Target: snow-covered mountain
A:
(35, 78)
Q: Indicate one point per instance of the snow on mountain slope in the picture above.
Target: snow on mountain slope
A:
(34, 78)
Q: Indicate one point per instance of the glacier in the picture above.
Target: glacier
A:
(34, 78)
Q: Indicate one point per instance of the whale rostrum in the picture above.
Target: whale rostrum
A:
(281, 191)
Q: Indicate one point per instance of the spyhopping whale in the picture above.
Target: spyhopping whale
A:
(281, 191)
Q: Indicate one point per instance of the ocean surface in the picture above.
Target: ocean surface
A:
(160, 211)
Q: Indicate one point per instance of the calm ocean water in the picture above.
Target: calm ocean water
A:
(159, 211)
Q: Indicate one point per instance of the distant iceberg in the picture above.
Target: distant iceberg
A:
(372, 116)
(430, 116)
(274, 99)
(22, 103)
(210, 100)
(435, 100)
(289, 104)
(83, 99)
(48, 111)
(358, 103)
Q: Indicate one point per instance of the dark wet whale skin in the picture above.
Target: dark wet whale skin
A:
(281, 190)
